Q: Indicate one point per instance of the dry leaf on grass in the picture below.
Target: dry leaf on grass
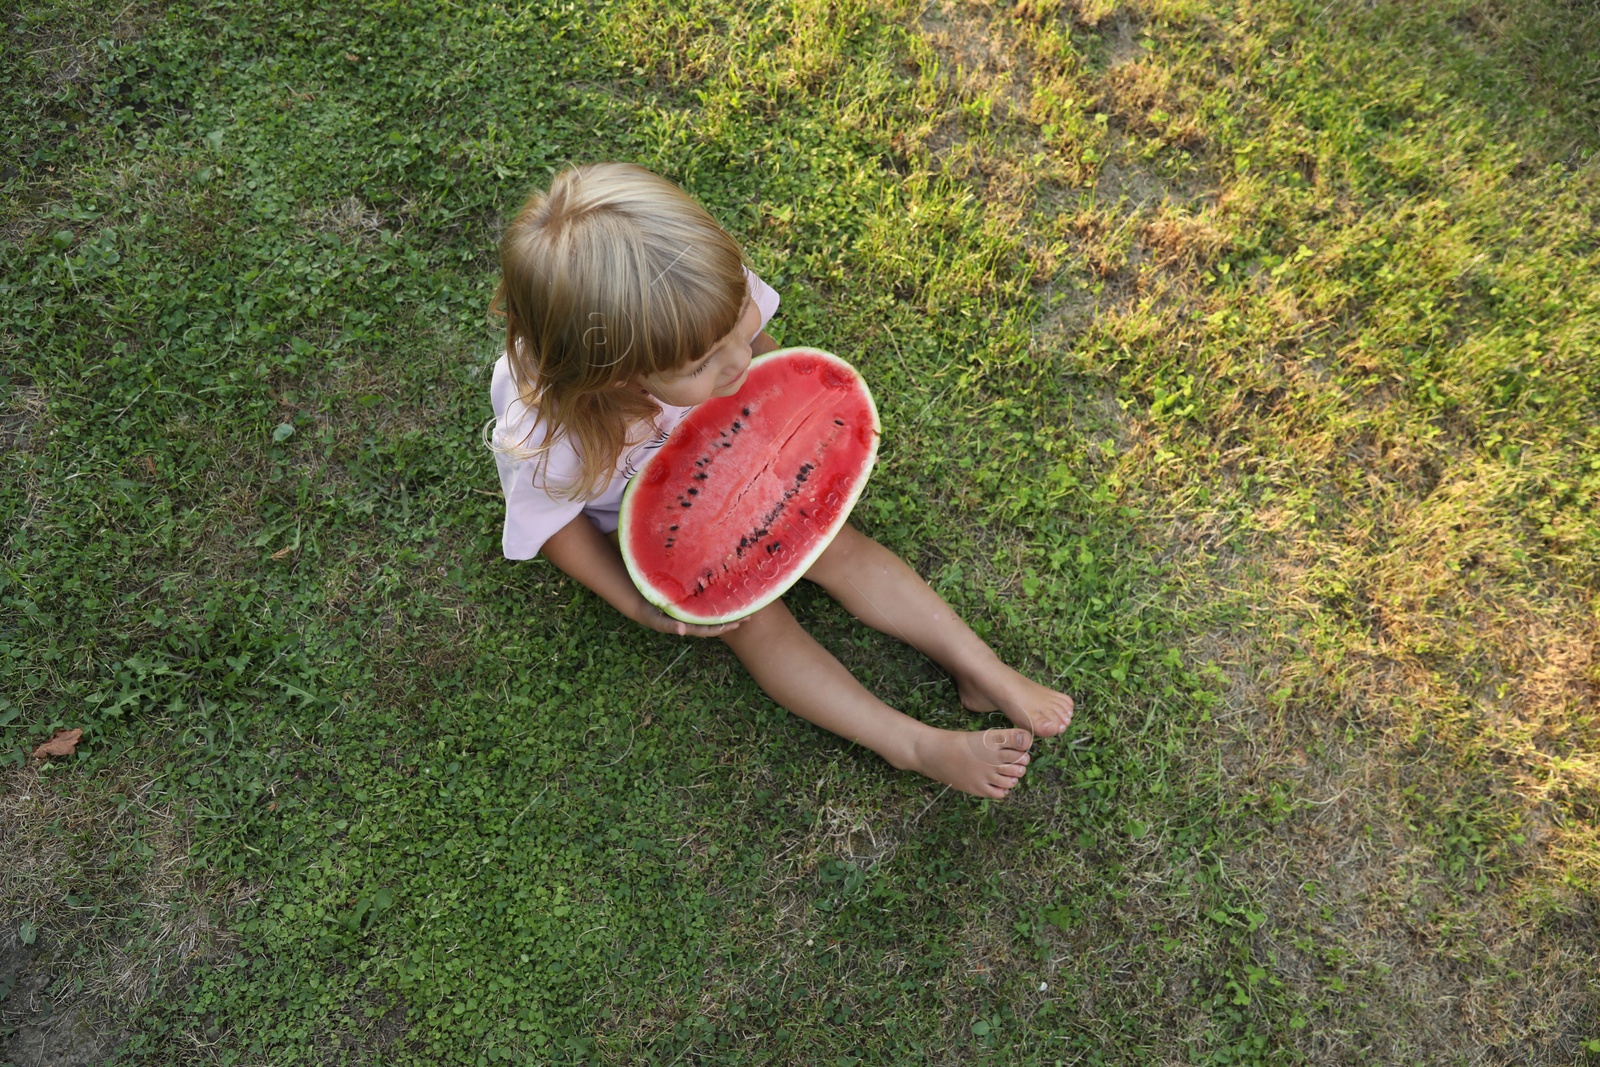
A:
(61, 743)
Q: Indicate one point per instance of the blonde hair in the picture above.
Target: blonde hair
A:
(611, 274)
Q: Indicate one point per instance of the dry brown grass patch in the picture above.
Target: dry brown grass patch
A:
(1182, 240)
(99, 869)
(351, 219)
(19, 419)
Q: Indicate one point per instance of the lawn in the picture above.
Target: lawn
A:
(1239, 368)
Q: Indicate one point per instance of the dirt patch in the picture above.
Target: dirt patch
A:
(34, 1032)
(981, 56)
(980, 128)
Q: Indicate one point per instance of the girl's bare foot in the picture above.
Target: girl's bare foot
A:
(1030, 705)
(985, 763)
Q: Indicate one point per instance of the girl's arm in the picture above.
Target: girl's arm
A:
(590, 557)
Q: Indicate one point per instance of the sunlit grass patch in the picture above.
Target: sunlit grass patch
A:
(1331, 392)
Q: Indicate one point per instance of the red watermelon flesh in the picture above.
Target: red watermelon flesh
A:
(749, 489)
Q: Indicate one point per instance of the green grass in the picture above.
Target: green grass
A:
(1240, 374)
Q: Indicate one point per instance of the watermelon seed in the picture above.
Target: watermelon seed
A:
(694, 492)
(747, 413)
(687, 504)
(838, 422)
(674, 529)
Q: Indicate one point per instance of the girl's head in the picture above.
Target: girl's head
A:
(613, 274)
(613, 281)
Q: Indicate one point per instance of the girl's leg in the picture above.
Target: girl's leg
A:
(805, 678)
(877, 587)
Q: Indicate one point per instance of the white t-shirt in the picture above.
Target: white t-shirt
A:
(532, 514)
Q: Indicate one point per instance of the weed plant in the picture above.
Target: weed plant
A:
(1240, 373)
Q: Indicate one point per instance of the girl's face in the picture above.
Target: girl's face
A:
(720, 372)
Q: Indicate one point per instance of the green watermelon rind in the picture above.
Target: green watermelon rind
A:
(802, 564)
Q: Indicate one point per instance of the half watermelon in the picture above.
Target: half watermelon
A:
(748, 491)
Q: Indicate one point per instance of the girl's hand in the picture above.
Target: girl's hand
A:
(653, 617)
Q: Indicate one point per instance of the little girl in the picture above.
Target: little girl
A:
(626, 305)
